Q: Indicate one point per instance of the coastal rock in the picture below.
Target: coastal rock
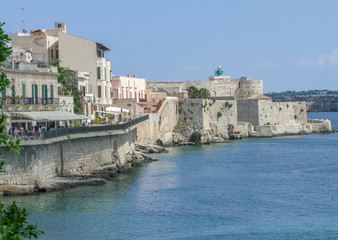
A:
(218, 140)
(16, 189)
(235, 136)
(60, 183)
(149, 148)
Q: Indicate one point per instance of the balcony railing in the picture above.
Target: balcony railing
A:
(59, 132)
(29, 101)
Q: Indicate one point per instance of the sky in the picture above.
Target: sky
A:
(289, 44)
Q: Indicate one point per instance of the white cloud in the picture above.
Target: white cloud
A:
(325, 59)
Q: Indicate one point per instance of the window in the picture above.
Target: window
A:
(12, 85)
(57, 53)
(35, 93)
(98, 73)
(51, 94)
(59, 26)
(99, 91)
(23, 90)
(99, 53)
(44, 94)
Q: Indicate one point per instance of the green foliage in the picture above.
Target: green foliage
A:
(195, 137)
(77, 123)
(268, 123)
(13, 220)
(302, 110)
(280, 109)
(195, 93)
(287, 105)
(67, 78)
(13, 224)
(295, 116)
(98, 121)
(228, 105)
(219, 114)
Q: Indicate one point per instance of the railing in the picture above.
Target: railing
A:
(81, 130)
(29, 101)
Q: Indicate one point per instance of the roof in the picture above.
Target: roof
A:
(50, 116)
(102, 47)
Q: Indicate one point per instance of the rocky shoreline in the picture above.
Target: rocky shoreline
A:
(137, 156)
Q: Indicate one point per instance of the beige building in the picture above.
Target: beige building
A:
(74, 52)
(128, 87)
(30, 84)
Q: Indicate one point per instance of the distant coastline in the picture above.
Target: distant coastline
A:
(316, 100)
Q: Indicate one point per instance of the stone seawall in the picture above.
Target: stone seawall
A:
(313, 126)
(160, 125)
(85, 157)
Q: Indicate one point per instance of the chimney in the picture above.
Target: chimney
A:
(134, 75)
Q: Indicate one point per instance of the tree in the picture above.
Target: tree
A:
(13, 220)
(203, 93)
(67, 78)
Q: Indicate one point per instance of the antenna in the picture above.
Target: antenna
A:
(22, 15)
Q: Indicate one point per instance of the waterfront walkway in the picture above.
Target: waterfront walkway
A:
(61, 132)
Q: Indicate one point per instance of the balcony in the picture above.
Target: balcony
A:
(29, 101)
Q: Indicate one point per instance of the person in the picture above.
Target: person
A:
(86, 123)
(16, 133)
(106, 120)
(37, 133)
(10, 130)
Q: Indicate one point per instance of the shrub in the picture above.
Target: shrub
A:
(195, 137)
(302, 110)
(295, 116)
(193, 92)
(280, 109)
(228, 105)
(268, 123)
(219, 114)
(98, 121)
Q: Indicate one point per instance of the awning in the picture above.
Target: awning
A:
(116, 109)
(43, 116)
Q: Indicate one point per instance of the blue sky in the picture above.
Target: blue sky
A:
(289, 44)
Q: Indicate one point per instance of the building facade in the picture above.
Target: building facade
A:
(128, 87)
(74, 52)
(30, 84)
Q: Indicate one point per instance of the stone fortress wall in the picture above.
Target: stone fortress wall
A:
(213, 116)
(161, 124)
(252, 114)
(241, 88)
(263, 112)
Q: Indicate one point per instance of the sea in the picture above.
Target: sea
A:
(266, 188)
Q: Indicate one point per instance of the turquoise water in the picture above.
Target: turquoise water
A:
(277, 188)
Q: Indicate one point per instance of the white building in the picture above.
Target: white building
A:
(77, 53)
(128, 87)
